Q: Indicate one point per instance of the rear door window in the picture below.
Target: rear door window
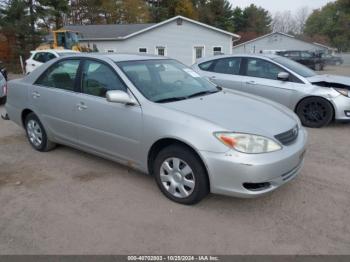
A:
(49, 56)
(61, 75)
(230, 66)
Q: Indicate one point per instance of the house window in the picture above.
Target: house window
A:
(160, 50)
(142, 50)
(198, 52)
(217, 50)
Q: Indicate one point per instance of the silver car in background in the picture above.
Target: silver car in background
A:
(158, 116)
(3, 89)
(317, 99)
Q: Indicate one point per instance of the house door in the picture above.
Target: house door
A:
(198, 53)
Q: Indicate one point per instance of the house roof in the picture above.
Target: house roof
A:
(125, 31)
(91, 32)
(284, 34)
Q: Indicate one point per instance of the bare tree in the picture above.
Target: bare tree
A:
(283, 22)
(301, 15)
(287, 22)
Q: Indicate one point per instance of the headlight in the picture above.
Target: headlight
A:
(343, 91)
(246, 143)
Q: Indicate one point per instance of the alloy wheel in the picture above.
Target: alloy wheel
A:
(315, 112)
(34, 133)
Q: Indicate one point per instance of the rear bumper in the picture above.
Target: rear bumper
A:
(230, 173)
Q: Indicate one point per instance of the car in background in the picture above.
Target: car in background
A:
(3, 89)
(310, 59)
(3, 70)
(332, 59)
(39, 57)
(157, 115)
(317, 99)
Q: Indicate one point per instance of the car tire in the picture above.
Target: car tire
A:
(181, 175)
(2, 100)
(37, 135)
(315, 112)
(318, 67)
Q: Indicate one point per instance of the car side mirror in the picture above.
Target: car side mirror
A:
(121, 97)
(283, 76)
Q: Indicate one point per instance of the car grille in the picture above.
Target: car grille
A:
(288, 137)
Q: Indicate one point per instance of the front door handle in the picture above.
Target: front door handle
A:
(81, 106)
(212, 77)
(251, 82)
(35, 94)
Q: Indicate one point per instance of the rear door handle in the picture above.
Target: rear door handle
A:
(212, 77)
(81, 106)
(251, 82)
(35, 94)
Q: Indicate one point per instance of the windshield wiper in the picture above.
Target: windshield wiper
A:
(202, 93)
(171, 99)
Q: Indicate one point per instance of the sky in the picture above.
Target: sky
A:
(281, 5)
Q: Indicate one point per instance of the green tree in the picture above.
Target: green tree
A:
(134, 11)
(55, 10)
(256, 19)
(15, 21)
(238, 19)
(186, 8)
(333, 22)
(217, 13)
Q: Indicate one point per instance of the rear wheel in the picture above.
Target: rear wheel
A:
(318, 67)
(2, 100)
(315, 112)
(36, 134)
(180, 175)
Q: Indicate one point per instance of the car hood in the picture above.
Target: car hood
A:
(238, 112)
(330, 79)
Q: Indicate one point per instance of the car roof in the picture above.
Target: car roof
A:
(119, 57)
(263, 56)
(54, 50)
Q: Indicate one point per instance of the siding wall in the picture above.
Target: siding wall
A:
(276, 42)
(179, 41)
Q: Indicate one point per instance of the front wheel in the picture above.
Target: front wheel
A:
(315, 112)
(180, 175)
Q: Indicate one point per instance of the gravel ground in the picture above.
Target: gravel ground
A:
(69, 202)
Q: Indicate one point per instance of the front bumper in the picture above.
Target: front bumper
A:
(230, 172)
(342, 108)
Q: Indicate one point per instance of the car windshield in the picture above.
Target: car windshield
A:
(166, 80)
(295, 67)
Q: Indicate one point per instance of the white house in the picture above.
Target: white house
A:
(279, 41)
(179, 37)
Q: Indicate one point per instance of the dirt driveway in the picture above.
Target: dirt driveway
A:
(69, 202)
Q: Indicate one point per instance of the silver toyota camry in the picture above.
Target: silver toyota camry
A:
(317, 99)
(158, 116)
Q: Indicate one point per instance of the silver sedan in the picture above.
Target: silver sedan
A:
(317, 99)
(3, 89)
(160, 117)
